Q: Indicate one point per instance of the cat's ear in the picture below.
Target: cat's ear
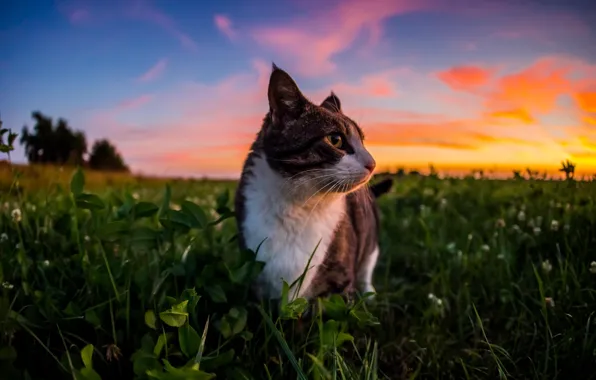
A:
(285, 98)
(332, 103)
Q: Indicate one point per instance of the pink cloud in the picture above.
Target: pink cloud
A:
(144, 11)
(224, 24)
(79, 16)
(310, 43)
(540, 27)
(155, 71)
(133, 103)
(87, 12)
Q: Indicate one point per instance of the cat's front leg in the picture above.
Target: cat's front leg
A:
(365, 272)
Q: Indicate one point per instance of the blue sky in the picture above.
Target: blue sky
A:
(180, 87)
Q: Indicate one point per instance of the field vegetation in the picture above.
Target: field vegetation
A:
(112, 276)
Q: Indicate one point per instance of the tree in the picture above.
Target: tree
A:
(58, 145)
(104, 156)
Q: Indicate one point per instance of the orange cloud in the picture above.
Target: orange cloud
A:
(155, 71)
(310, 43)
(466, 77)
(455, 134)
(215, 123)
(586, 101)
(514, 114)
(224, 24)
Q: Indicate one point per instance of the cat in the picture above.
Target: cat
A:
(304, 189)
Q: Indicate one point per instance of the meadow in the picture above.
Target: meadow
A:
(110, 276)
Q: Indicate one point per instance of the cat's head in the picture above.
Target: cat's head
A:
(316, 148)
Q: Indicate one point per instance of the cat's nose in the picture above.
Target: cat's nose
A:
(370, 165)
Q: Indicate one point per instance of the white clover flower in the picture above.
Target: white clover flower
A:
(451, 247)
(16, 215)
(554, 225)
(3, 237)
(521, 216)
(516, 228)
(593, 267)
(501, 256)
(46, 263)
(547, 266)
(7, 285)
(435, 300)
(135, 195)
(485, 248)
(550, 302)
(443, 203)
(459, 253)
(87, 238)
(470, 236)
(175, 206)
(500, 223)
(537, 231)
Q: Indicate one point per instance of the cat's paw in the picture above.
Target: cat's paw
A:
(368, 288)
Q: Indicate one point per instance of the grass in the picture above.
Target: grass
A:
(112, 276)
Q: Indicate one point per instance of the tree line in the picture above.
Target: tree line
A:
(57, 143)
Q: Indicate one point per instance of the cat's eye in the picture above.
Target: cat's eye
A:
(336, 140)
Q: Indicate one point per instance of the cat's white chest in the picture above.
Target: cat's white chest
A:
(289, 231)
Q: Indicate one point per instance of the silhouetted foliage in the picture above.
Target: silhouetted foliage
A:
(53, 144)
(59, 144)
(104, 156)
(568, 168)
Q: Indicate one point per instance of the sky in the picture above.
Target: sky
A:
(180, 87)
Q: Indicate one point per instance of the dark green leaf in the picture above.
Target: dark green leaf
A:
(92, 318)
(151, 319)
(176, 219)
(144, 209)
(214, 362)
(89, 201)
(216, 293)
(165, 205)
(197, 214)
(77, 183)
(144, 237)
(113, 230)
(189, 340)
(222, 201)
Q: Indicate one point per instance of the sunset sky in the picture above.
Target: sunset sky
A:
(180, 86)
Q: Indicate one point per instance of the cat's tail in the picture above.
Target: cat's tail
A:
(382, 187)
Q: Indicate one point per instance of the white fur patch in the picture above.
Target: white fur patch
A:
(365, 273)
(292, 230)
